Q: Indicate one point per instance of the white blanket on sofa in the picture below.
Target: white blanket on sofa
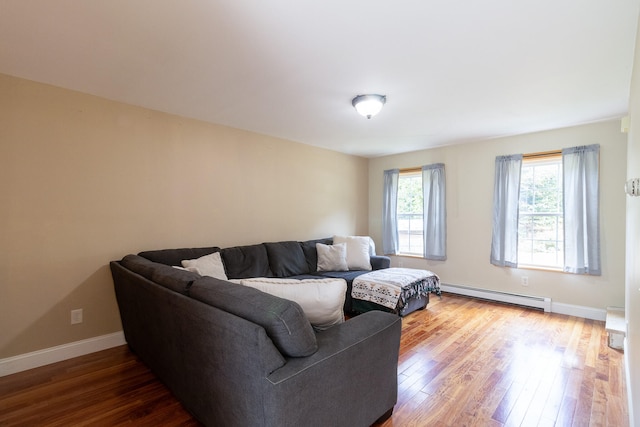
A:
(392, 287)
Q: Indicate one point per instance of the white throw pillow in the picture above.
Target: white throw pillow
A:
(208, 265)
(322, 300)
(332, 257)
(358, 251)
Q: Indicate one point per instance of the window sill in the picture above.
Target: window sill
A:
(538, 268)
(410, 256)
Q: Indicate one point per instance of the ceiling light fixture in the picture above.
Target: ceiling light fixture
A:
(368, 105)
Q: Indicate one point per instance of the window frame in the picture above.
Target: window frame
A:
(540, 158)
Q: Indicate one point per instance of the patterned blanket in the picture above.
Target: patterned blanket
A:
(393, 287)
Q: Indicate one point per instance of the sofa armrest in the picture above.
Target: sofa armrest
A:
(378, 262)
(356, 364)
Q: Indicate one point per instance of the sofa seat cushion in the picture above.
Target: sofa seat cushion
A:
(283, 320)
(286, 259)
(346, 275)
(175, 256)
(241, 262)
(321, 299)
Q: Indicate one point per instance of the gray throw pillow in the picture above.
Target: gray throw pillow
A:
(332, 257)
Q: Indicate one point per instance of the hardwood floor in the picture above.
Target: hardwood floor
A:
(463, 362)
(466, 362)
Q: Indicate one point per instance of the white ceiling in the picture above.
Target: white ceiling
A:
(453, 70)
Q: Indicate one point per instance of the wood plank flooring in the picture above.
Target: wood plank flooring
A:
(463, 362)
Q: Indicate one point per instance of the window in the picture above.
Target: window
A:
(546, 212)
(540, 219)
(414, 219)
(410, 213)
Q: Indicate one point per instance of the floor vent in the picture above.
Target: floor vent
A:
(542, 303)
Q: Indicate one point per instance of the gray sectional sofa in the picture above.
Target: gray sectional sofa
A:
(236, 356)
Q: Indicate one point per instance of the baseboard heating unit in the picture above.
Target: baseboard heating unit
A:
(542, 303)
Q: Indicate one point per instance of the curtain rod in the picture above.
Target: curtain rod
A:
(542, 154)
(407, 170)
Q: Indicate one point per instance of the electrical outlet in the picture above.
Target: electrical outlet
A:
(76, 316)
(525, 280)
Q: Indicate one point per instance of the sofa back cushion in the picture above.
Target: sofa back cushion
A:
(164, 275)
(241, 262)
(283, 320)
(286, 259)
(311, 253)
(175, 256)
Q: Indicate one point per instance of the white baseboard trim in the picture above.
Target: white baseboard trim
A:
(23, 362)
(530, 301)
(579, 311)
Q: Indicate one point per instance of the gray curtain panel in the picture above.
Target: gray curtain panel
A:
(434, 212)
(389, 212)
(581, 194)
(506, 195)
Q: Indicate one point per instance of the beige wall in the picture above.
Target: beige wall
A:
(470, 176)
(632, 348)
(85, 180)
